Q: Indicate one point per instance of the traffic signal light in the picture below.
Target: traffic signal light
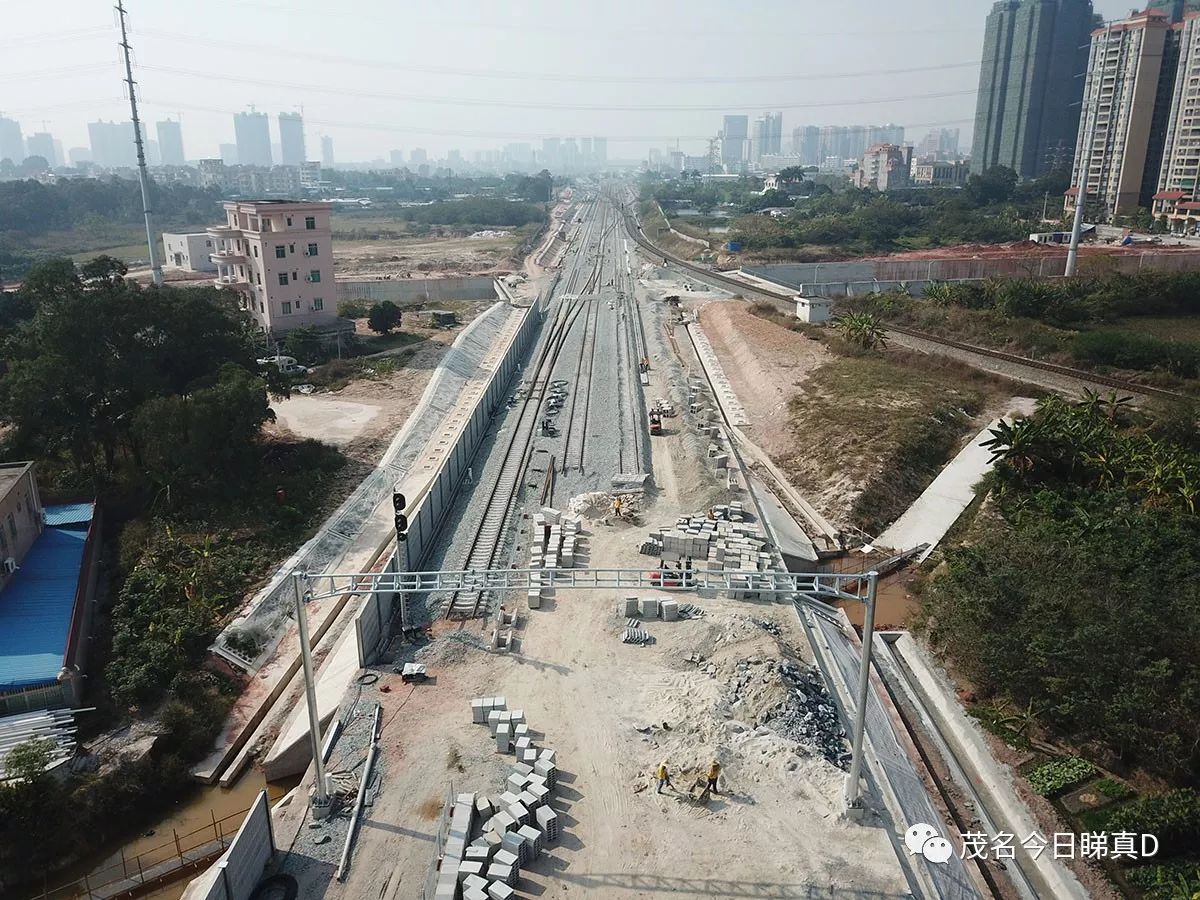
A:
(398, 504)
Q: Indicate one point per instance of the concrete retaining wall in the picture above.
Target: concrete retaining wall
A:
(472, 287)
(427, 512)
(239, 870)
(849, 279)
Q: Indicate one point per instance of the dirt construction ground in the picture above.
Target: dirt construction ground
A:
(612, 711)
(707, 688)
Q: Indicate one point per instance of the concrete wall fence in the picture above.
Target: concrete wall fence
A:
(850, 279)
(428, 290)
(239, 870)
(427, 513)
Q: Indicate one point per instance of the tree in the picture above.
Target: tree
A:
(97, 347)
(383, 317)
(35, 165)
(305, 344)
(995, 185)
(863, 329)
(182, 439)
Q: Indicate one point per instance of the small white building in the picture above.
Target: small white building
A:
(188, 252)
(814, 310)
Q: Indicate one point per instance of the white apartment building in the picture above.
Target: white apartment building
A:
(1128, 77)
(1177, 202)
(279, 254)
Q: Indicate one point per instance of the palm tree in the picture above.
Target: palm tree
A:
(863, 329)
(1023, 445)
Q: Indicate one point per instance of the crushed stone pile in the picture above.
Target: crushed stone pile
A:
(786, 698)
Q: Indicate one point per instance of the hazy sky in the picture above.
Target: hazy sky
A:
(385, 74)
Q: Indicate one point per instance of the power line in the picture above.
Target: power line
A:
(58, 73)
(574, 107)
(493, 135)
(491, 74)
(529, 23)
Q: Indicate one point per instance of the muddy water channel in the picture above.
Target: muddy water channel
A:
(194, 821)
(895, 605)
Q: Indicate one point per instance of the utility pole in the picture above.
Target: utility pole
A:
(1085, 163)
(853, 793)
(143, 177)
(320, 800)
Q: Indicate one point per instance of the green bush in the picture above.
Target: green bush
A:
(1167, 881)
(1113, 789)
(1137, 351)
(353, 309)
(1173, 817)
(1052, 778)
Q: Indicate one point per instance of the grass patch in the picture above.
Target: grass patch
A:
(377, 343)
(1168, 328)
(884, 424)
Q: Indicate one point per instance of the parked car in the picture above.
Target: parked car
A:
(286, 364)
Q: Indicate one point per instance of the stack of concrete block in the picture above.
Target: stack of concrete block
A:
(554, 539)
(514, 842)
(499, 823)
(475, 888)
(448, 886)
(547, 768)
(482, 707)
(521, 821)
(547, 821)
(533, 841)
(725, 543)
(631, 608)
(648, 607)
(503, 738)
(669, 610)
(505, 867)
(480, 851)
(462, 818)
(529, 799)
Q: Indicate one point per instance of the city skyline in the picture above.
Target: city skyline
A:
(479, 98)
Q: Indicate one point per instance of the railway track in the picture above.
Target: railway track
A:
(1103, 381)
(497, 515)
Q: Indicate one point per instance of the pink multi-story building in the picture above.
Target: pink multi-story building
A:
(279, 254)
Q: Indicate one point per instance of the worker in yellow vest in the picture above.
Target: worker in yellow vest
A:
(714, 772)
(663, 776)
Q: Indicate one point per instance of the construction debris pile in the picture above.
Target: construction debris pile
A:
(598, 505)
(554, 542)
(790, 700)
(491, 838)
